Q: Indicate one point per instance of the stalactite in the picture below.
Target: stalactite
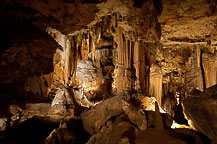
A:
(125, 72)
(98, 35)
(124, 51)
(139, 66)
(193, 74)
(136, 64)
(88, 42)
(116, 20)
(74, 57)
(130, 53)
(69, 58)
(84, 49)
(94, 49)
(127, 54)
(121, 84)
(198, 56)
(120, 47)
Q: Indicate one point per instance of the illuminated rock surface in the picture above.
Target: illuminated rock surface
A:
(203, 117)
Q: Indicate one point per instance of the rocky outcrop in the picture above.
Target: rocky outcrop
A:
(63, 15)
(119, 131)
(148, 104)
(60, 135)
(94, 119)
(3, 124)
(136, 116)
(193, 75)
(115, 46)
(61, 103)
(39, 85)
(184, 67)
(163, 136)
(135, 126)
(198, 72)
(203, 117)
(90, 80)
(187, 21)
(27, 65)
(25, 132)
(63, 65)
(112, 108)
(210, 68)
(188, 36)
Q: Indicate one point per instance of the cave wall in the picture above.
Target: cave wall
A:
(123, 41)
(115, 44)
(210, 69)
(26, 65)
(188, 37)
(91, 51)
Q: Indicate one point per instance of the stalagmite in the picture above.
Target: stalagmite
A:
(156, 83)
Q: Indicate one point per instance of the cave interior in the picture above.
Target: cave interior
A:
(108, 71)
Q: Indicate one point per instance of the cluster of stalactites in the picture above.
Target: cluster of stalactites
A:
(131, 56)
(88, 44)
(133, 69)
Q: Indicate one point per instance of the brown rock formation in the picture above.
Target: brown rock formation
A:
(95, 118)
(203, 116)
(27, 65)
(107, 68)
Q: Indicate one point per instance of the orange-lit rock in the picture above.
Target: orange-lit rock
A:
(107, 71)
(203, 117)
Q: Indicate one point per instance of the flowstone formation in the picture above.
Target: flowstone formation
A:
(108, 71)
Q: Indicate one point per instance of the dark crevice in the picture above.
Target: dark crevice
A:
(77, 108)
(186, 39)
(32, 131)
(179, 115)
(138, 3)
(104, 47)
(112, 119)
(130, 134)
(81, 136)
(202, 69)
